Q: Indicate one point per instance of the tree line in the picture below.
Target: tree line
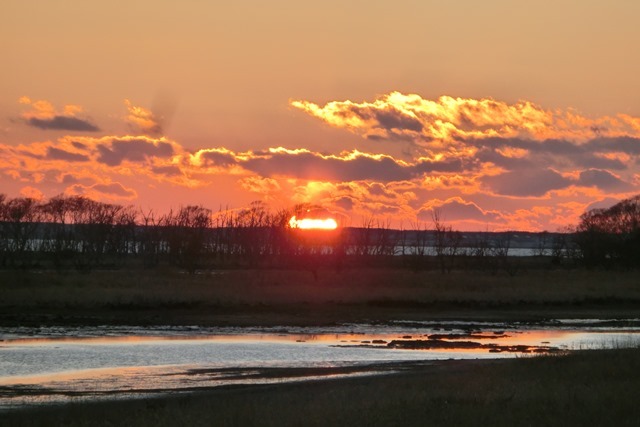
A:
(77, 232)
(610, 238)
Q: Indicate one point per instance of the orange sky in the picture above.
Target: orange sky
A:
(502, 115)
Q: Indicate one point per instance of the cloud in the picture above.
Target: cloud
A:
(171, 170)
(605, 203)
(345, 203)
(142, 120)
(352, 166)
(444, 165)
(69, 178)
(63, 123)
(345, 166)
(526, 183)
(31, 193)
(114, 151)
(464, 157)
(44, 116)
(112, 191)
(54, 153)
(264, 186)
(216, 157)
(409, 116)
(456, 209)
(603, 179)
(520, 153)
(537, 183)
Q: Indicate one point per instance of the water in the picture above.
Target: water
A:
(48, 365)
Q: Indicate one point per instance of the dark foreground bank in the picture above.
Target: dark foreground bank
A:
(595, 388)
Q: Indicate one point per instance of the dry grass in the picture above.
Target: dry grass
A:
(150, 288)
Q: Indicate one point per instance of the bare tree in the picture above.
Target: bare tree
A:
(447, 243)
(186, 232)
(542, 244)
(20, 223)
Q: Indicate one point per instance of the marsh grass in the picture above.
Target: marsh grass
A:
(595, 388)
(165, 288)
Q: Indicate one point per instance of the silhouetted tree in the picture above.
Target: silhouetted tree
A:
(610, 237)
(447, 243)
(186, 235)
(19, 225)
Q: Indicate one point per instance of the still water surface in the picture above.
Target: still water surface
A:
(48, 365)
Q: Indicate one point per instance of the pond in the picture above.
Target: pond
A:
(50, 365)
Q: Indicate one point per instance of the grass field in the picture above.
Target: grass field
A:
(256, 297)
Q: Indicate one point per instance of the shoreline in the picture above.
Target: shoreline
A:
(541, 390)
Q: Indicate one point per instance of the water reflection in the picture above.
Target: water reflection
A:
(57, 364)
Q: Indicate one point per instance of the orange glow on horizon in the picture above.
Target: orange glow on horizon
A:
(313, 223)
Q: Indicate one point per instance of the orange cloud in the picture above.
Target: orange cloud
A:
(483, 163)
(356, 184)
(409, 116)
(266, 187)
(31, 193)
(142, 120)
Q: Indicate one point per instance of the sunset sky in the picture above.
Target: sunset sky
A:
(500, 114)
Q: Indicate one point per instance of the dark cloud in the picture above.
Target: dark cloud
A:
(312, 166)
(556, 153)
(309, 165)
(557, 147)
(447, 165)
(627, 145)
(378, 189)
(602, 204)
(28, 153)
(345, 203)
(217, 158)
(59, 154)
(392, 119)
(458, 210)
(526, 183)
(115, 189)
(603, 163)
(69, 179)
(63, 123)
(79, 145)
(381, 209)
(602, 179)
(135, 150)
(166, 170)
(490, 155)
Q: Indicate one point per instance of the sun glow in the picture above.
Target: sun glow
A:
(313, 223)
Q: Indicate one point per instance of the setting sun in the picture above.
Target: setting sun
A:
(313, 223)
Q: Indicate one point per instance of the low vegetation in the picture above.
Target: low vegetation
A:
(288, 296)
